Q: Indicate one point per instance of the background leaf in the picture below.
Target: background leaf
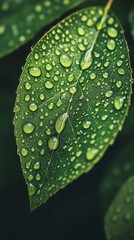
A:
(70, 106)
(118, 171)
(131, 19)
(119, 221)
(21, 20)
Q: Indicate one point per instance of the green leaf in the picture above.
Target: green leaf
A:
(118, 171)
(21, 20)
(72, 100)
(119, 220)
(131, 19)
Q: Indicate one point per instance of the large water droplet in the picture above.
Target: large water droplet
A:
(35, 71)
(65, 60)
(91, 153)
(111, 44)
(28, 128)
(60, 122)
(112, 32)
(86, 60)
(118, 102)
(53, 143)
(81, 31)
(33, 107)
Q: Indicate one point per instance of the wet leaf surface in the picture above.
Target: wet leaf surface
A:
(72, 100)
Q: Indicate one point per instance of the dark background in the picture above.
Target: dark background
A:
(74, 212)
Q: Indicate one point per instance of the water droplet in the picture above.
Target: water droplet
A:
(81, 31)
(90, 23)
(30, 178)
(86, 124)
(109, 94)
(86, 60)
(24, 152)
(16, 108)
(104, 117)
(118, 83)
(60, 122)
(78, 154)
(119, 63)
(112, 32)
(48, 67)
(110, 20)
(91, 153)
(27, 86)
(27, 98)
(70, 77)
(35, 71)
(111, 44)
(33, 107)
(28, 128)
(118, 102)
(73, 90)
(92, 76)
(37, 165)
(42, 97)
(121, 71)
(53, 143)
(49, 85)
(31, 189)
(65, 60)
(38, 177)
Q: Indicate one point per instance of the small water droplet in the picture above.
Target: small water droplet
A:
(111, 44)
(48, 67)
(70, 77)
(53, 143)
(81, 31)
(33, 107)
(30, 177)
(118, 102)
(38, 177)
(35, 71)
(17, 108)
(92, 76)
(31, 189)
(90, 23)
(118, 83)
(65, 60)
(24, 152)
(73, 90)
(86, 124)
(27, 86)
(60, 122)
(37, 165)
(28, 128)
(109, 94)
(48, 85)
(91, 153)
